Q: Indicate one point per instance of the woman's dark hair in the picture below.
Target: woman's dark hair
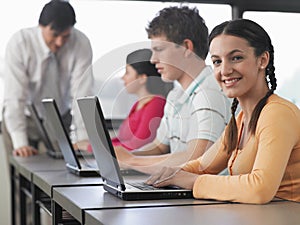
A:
(179, 23)
(59, 14)
(140, 61)
(259, 39)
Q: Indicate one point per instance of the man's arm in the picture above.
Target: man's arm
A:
(142, 156)
(25, 151)
(153, 163)
(153, 148)
(16, 88)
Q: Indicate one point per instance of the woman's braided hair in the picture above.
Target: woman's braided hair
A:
(259, 39)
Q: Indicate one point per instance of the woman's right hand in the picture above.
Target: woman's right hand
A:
(173, 176)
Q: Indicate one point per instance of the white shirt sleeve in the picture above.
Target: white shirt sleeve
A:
(211, 113)
(15, 91)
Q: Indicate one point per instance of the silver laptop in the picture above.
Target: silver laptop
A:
(85, 166)
(49, 141)
(52, 147)
(113, 181)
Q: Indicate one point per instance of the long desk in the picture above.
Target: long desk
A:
(21, 170)
(35, 177)
(274, 213)
(70, 199)
(43, 184)
(76, 200)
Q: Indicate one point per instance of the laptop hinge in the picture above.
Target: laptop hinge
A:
(118, 187)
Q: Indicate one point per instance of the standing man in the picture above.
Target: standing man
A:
(196, 111)
(51, 60)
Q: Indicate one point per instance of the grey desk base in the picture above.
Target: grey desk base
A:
(21, 170)
(44, 182)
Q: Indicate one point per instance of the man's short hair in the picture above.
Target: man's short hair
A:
(59, 14)
(179, 23)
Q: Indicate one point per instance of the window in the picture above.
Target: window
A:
(282, 28)
(111, 26)
(15, 15)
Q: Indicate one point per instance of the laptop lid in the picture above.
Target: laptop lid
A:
(100, 140)
(52, 147)
(57, 128)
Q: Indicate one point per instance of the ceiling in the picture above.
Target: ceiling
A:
(251, 5)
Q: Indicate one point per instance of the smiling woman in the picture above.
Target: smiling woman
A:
(261, 155)
(111, 24)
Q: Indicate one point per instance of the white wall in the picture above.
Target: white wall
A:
(4, 187)
(110, 25)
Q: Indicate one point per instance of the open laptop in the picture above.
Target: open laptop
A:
(113, 181)
(85, 166)
(49, 141)
(52, 147)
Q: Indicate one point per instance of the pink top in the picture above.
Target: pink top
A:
(139, 128)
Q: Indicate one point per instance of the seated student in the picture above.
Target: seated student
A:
(141, 78)
(196, 110)
(261, 146)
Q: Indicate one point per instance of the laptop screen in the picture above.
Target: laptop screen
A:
(100, 140)
(39, 124)
(55, 123)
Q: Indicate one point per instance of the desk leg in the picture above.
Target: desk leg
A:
(22, 197)
(36, 217)
(12, 195)
(56, 213)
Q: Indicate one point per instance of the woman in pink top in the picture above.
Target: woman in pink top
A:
(261, 146)
(142, 79)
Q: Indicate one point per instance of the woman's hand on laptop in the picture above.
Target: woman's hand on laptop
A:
(173, 176)
(25, 151)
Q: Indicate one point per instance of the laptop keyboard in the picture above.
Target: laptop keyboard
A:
(142, 186)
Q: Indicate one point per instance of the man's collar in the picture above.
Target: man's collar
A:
(207, 71)
(45, 49)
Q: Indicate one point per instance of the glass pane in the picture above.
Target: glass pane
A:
(113, 25)
(108, 24)
(282, 28)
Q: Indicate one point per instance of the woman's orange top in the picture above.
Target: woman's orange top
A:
(267, 166)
